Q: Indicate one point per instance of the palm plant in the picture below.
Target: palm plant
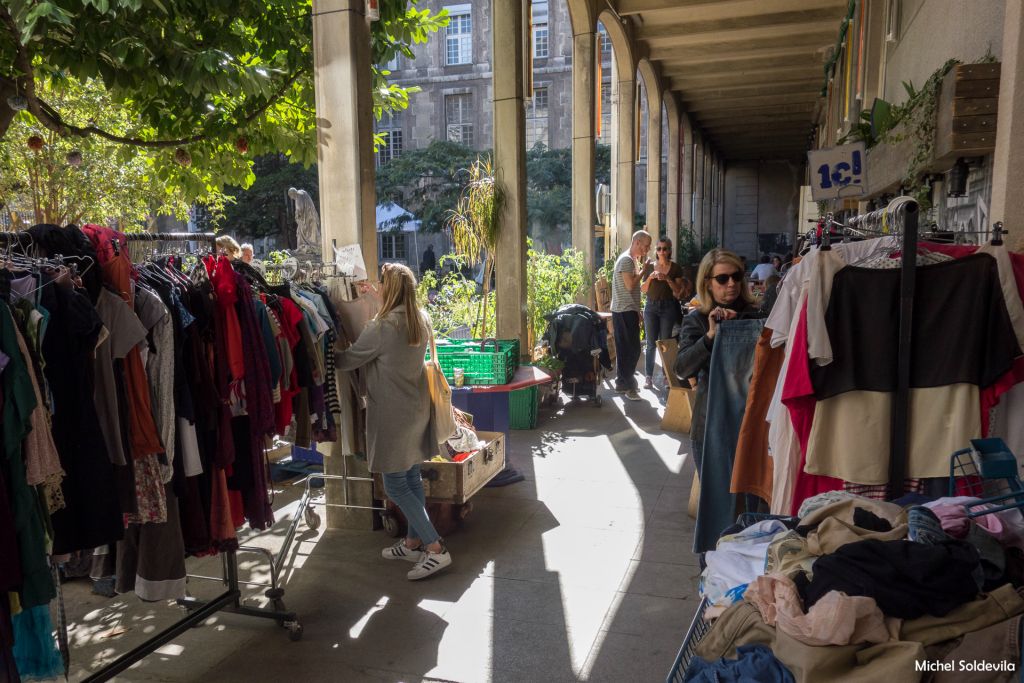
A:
(476, 223)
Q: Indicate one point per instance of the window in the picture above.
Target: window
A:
(392, 246)
(391, 148)
(458, 113)
(605, 138)
(459, 36)
(392, 65)
(537, 118)
(540, 41)
(606, 42)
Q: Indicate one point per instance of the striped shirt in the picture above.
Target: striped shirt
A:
(623, 298)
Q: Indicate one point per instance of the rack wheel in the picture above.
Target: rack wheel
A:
(598, 401)
(390, 525)
(464, 510)
(312, 518)
(294, 631)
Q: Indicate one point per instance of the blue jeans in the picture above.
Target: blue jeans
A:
(732, 363)
(659, 319)
(405, 489)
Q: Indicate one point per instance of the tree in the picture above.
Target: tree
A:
(427, 182)
(262, 210)
(549, 184)
(201, 81)
(46, 178)
(476, 223)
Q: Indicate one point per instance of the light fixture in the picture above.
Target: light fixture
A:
(956, 182)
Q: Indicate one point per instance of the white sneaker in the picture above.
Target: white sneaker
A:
(430, 563)
(398, 551)
(632, 395)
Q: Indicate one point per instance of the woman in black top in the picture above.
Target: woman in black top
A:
(663, 283)
(724, 294)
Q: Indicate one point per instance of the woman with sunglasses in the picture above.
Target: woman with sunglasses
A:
(664, 285)
(724, 294)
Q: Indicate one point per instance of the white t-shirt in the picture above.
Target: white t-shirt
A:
(763, 271)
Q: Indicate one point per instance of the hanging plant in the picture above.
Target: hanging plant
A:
(35, 143)
(182, 156)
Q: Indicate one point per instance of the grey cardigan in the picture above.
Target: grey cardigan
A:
(398, 433)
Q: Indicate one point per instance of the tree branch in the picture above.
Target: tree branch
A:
(51, 118)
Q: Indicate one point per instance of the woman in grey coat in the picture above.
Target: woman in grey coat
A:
(398, 430)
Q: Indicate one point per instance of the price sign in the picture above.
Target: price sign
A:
(837, 172)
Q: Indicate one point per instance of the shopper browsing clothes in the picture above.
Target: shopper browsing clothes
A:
(391, 349)
(724, 294)
(626, 313)
(664, 285)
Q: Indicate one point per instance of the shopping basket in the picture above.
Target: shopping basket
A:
(698, 629)
(987, 470)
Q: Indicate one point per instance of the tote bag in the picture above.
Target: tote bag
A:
(442, 415)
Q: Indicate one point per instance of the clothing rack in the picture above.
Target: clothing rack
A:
(231, 599)
(905, 212)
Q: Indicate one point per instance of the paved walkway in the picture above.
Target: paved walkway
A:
(583, 572)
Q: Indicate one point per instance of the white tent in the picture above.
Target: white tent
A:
(392, 217)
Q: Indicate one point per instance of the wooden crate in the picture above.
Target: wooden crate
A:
(679, 407)
(457, 482)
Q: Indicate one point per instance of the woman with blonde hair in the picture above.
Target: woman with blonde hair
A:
(391, 351)
(724, 294)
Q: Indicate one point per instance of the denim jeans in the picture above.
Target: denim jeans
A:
(659, 319)
(627, 348)
(405, 489)
(732, 363)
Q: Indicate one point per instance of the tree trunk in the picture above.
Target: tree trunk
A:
(6, 113)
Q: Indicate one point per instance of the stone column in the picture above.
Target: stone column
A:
(584, 127)
(688, 151)
(510, 168)
(706, 185)
(344, 111)
(654, 189)
(625, 168)
(672, 174)
(1007, 199)
(698, 185)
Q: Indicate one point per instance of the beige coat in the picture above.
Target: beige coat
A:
(398, 401)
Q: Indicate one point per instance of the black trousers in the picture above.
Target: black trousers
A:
(627, 348)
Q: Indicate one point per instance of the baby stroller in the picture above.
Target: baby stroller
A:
(577, 336)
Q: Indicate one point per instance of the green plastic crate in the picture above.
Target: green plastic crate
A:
(522, 408)
(480, 364)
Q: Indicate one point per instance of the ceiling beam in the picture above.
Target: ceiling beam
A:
(803, 58)
(790, 102)
(726, 48)
(696, 79)
(730, 126)
(725, 9)
(625, 7)
(775, 35)
(766, 87)
(740, 57)
(770, 24)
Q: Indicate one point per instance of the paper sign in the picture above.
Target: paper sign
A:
(837, 172)
(349, 260)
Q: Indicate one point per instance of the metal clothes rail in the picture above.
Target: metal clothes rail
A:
(231, 599)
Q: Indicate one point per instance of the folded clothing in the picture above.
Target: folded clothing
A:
(905, 578)
(754, 664)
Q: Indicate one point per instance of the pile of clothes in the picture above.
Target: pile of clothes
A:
(856, 589)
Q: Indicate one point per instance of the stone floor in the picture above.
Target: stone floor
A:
(583, 572)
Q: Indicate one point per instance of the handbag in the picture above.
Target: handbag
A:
(442, 415)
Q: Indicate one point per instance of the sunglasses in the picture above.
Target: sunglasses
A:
(663, 249)
(724, 278)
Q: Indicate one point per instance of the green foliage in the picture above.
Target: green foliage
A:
(607, 269)
(426, 182)
(113, 183)
(263, 209)
(689, 251)
(194, 74)
(475, 223)
(452, 300)
(549, 185)
(553, 281)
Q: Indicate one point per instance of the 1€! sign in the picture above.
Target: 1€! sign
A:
(837, 172)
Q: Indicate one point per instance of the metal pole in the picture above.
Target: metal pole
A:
(900, 444)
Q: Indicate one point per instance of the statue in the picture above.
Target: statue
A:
(307, 235)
